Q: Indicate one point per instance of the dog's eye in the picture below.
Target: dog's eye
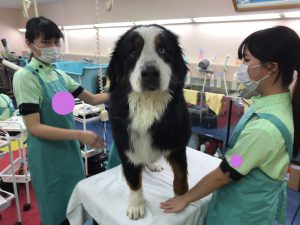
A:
(162, 50)
(132, 54)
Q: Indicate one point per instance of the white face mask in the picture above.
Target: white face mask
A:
(248, 87)
(49, 55)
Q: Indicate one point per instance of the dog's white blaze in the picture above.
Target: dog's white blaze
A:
(149, 54)
(144, 109)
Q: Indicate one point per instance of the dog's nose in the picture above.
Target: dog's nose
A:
(150, 77)
(150, 72)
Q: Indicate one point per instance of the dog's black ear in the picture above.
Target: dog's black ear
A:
(182, 67)
(112, 71)
(179, 64)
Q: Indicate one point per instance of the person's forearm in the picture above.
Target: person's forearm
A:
(94, 99)
(100, 98)
(206, 185)
(54, 133)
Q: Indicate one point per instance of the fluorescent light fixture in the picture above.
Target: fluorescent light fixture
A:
(79, 27)
(266, 16)
(121, 24)
(295, 14)
(23, 30)
(164, 22)
(237, 18)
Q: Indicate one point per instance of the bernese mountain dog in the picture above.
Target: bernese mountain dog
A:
(148, 112)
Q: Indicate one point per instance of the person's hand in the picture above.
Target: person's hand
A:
(91, 139)
(175, 204)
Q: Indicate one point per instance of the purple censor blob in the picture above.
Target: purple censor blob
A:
(236, 160)
(63, 103)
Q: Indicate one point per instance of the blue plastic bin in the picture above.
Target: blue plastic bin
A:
(84, 73)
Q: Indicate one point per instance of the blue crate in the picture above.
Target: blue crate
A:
(84, 73)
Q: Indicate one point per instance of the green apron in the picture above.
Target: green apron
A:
(9, 106)
(113, 158)
(55, 166)
(256, 199)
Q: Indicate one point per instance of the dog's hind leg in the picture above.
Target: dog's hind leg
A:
(136, 206)
(178, 162)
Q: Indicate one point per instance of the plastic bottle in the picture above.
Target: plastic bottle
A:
(201, 53)
(202, 148)
(208, 148)
(188, 79)
(218, 152)
(212, 80)
(219, 79)
(234, 82)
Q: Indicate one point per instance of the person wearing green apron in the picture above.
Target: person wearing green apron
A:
(54, 157)
(7, 108)
(249, 186)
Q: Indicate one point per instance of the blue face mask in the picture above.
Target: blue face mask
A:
(248, 87)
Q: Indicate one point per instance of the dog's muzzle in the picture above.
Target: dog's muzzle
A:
(150, 78)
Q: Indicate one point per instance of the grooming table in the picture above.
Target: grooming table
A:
(104, 196)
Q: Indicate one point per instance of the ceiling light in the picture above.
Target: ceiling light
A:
(121, 24)
(237, 18)
(78, 27)
(295, 14)
(164, 22)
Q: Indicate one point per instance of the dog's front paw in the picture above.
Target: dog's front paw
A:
(136, 206)
(135, 212)
(155, 167)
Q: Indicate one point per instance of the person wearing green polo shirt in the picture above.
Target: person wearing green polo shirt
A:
(7, 108)
(54, 156)
(249, 185)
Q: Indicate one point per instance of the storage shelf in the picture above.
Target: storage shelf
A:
(89, 120)
(213, 133)
(6, 174)
(92, 152)
(5, 199)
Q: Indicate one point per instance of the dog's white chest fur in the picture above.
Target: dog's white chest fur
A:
(144, 109)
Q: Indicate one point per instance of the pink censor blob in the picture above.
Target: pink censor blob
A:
(63, 103)
(236, 160)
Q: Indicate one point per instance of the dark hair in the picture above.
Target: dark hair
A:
(41, 26)
(281, 45)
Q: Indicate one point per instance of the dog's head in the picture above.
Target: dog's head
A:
(149, 58)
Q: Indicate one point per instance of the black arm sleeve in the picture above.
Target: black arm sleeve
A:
(233, 174)
(28, 108)
(77, 92)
